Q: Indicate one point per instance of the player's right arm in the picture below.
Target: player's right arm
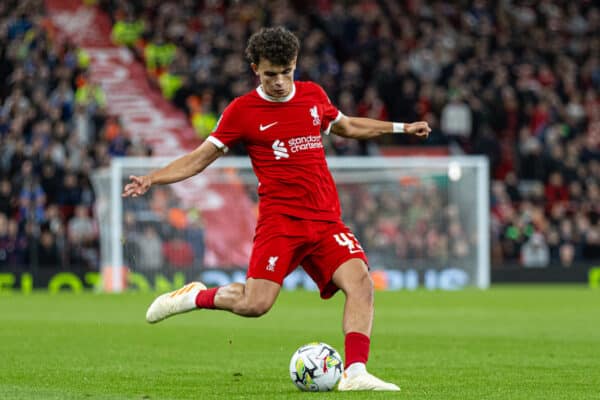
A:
(182, 168)
(228, 130)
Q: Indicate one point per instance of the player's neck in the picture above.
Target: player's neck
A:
(261, 92)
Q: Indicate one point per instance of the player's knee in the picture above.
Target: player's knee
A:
(365, 287)
(368, 283)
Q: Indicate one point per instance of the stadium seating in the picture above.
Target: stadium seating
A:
(53, 132)
(491, 79)
(519, 84)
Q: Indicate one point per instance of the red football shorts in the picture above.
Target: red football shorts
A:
(282, 243)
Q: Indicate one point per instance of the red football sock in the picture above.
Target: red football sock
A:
(357, 348)
(206, 298)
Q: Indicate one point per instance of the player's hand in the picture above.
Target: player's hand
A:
(420, 128)
(137, 187)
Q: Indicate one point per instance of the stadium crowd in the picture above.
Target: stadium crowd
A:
(54, 132)
(416, 225)
(159, 235)
(518, 82)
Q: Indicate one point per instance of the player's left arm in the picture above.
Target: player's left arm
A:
(367, 128)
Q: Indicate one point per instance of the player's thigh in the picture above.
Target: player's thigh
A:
(279, 245)
(337, 246)
(353, 276)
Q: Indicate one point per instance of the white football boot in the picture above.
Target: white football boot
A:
(179, 301)
(358, 379)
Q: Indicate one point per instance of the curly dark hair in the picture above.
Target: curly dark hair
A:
(278, 45)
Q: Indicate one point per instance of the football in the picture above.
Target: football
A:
(316, 367)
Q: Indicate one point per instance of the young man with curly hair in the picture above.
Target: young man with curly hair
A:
(299, 223)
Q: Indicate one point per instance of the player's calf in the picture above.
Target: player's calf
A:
(252, 299)
(252, 309)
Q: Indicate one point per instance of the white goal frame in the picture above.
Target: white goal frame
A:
(453, 164)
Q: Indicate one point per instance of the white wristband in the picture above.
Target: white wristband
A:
(398, 127)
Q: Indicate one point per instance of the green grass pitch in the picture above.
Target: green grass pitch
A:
(510, 342)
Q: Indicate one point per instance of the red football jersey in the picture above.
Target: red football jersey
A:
(283, 139)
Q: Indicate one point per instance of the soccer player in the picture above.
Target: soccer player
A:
(299, 213)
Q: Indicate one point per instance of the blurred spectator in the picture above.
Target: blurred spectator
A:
(567, 255)
(70, 195)
(90, 95)
(591, 247)
(170, 81)
(7, 204)
(127, 31)
(45, 251)
(119, 144)
(159, 54)
(4, 242)
(194, 234)
(50, 181)
(535, 252)
(178, 252)
(202, 119)
(81, 228)
(456, 119)
(31, 201)
(54, 220)
(14, 245)
(150, 250)
(556, 191)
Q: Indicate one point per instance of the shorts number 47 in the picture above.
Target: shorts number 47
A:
(348, 239)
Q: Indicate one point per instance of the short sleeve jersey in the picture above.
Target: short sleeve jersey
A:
(283, 139)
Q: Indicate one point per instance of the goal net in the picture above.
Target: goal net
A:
(423, 222)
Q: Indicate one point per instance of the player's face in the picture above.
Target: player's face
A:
(276, 80)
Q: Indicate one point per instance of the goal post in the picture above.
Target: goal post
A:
(423, 222)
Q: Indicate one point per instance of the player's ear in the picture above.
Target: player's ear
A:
(254, 68)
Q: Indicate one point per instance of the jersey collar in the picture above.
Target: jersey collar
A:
(266, 97)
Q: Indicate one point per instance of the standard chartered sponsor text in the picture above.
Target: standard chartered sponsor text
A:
(304, 143)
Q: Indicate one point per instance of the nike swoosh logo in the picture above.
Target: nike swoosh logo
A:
(264, 128)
